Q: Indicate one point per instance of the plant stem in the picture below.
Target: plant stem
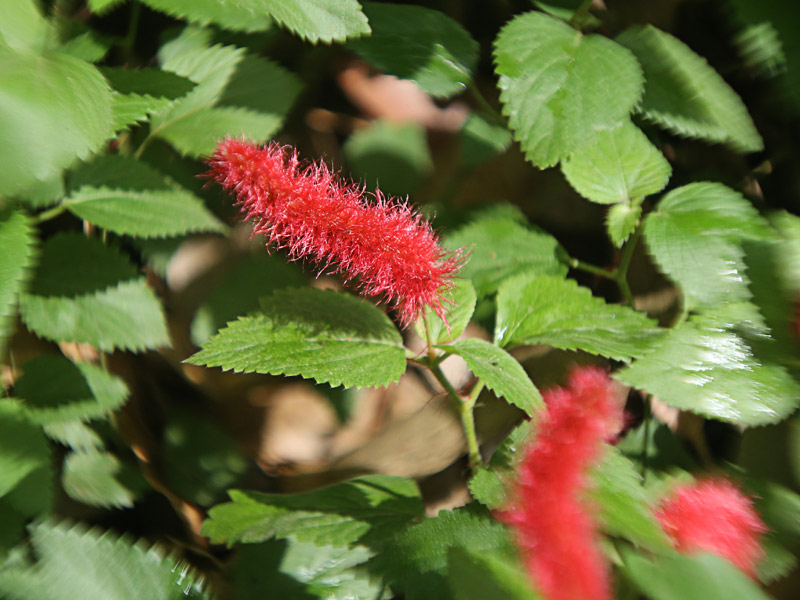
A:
(464, 406)
(428, 338)
(646, 442)
(50, 213)
(621, 272)
(574, 263)
(580, 12)
(483, 103)
(130, 38)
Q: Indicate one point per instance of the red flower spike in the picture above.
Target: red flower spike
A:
(553, 525)
(385, 245)
(713, 515)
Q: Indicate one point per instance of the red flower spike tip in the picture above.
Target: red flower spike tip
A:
(553, 525)
(713, 515)
(385, 245)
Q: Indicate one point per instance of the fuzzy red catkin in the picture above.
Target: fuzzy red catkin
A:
(553, 524)
(713, 515)
(309, 211)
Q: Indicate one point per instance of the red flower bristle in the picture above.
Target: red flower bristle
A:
(713, 515)
(309, 211)
(553, 523)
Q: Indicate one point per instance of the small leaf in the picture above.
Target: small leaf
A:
(76, 563)
(559, 86)
(74, 434)
(621, 221)
(685, 95)
(498, 370)
(541, 309)
(438, 53)
(481, 140)
(392, 156)
(320, 20)
(623, 507)
(500, 248)
(56, 390)
(474, 576)
(328, 336)
(617, 165)
(16, 255)
(91, 478)
(415, 562)
(708, 366)
(23, 447)
(239, 15)
(693, 236)
(459, 306)
(698, 577)
(46, 123)
(377, 505)
(127, 316)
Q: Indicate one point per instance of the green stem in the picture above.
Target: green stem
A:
(483, 103)
(574, 263)
(646, 442)
(428, 338)
(50, 213)
(579, 13)
(621, 272)
(130, 38)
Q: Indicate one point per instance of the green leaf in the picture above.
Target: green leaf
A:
(459, 305)
(621, 221)
(22, 26)
(23, 447)
(102, 6)
(760, 48)
(76, 563)
(392, 156)
(91, 478)
(201, 462)
(788, 225)
(685, 95)
(438, 53)
(623, 507)
(500, 248)
(559, 86)
(56, 390)
(489, 485)
(127, 316)
(481, 140)
(324, 335)
(236, 94)
(154, 213)
(46, 121)
(708, 366)
(288, 568)
(74, 434)
(370, 507)
(498, 370)
(542, 309)
(699, 577)
(474, 576)
(617, 165)
(62, 268)
(89, 46)
(239, 15)
(693, 236)
(415, 561)
(238, 292)
(16, 255)
(320, 20)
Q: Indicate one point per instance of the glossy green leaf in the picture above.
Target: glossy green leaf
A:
(459, 304)
(56, 390)
(708, 366)
(415, 562)
(374, 506)
(542, 309)
(46, 121)
(91, 478)
(500, 248)
(110, 567)
(437, 52)
(693, 236)
(23, 447)
(560, 86)
(617, 165)
(327, 336)
(700, 577)
(687, 96)
(474, 576)
(500, 372)
(621, 221)
(393, 157)
(127, 316)
(17, 240)
(623, 507)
